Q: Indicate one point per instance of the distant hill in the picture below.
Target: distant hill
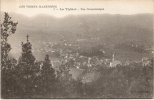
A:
(119, 28)
(111, 29)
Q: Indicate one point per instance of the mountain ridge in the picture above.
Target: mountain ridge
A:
(111, 29)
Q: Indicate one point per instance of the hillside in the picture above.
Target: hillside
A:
(111, 29)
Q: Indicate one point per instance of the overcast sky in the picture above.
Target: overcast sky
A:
(110, 6)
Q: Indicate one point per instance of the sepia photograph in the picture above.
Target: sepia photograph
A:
(77, 49)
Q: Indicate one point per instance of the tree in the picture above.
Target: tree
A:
(47, 80)
(8, 27)
(65, 85)
(27, 57)
(26, 68)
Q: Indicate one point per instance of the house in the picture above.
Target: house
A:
(94, 61)
(126, 63)
(145, 61)
(115, 63)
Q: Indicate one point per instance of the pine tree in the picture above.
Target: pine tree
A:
(27, 60)
(47, 70)
(27, 57)
(65, 86)
(8, 27)
(26, 69)
(47, 77)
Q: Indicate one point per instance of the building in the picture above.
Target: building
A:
(114, 62)
(145, 61)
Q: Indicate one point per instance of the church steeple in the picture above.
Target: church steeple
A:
(113, 57)
(27, 38)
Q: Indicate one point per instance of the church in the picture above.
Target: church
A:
(114, 62)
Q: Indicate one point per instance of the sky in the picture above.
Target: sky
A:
(127, 7)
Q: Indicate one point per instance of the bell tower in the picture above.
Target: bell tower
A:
(113, 57)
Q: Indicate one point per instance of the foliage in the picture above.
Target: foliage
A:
(47, 79)
(8, 27)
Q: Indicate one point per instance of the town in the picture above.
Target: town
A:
(77, 58)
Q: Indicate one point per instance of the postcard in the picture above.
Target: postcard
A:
(77, 49)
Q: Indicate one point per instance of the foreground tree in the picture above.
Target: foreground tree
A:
(48, 78)
(25, 70)
(8, 27)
